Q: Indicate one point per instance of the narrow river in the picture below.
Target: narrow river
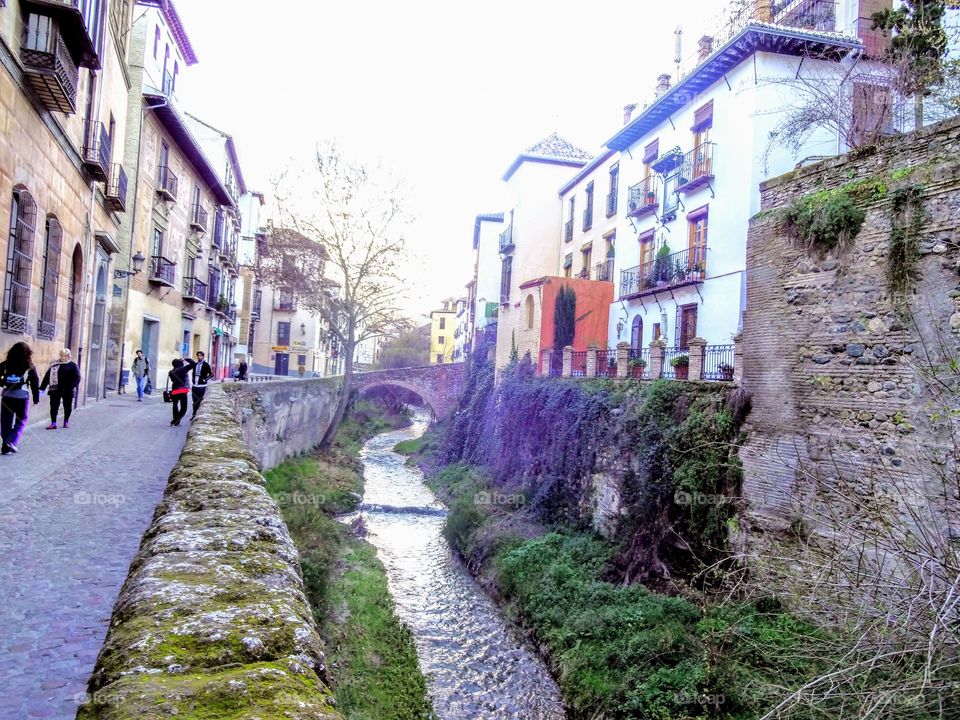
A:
(476, 667)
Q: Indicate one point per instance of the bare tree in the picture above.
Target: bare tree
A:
(337, 244)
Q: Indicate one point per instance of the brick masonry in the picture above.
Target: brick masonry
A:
(440, 386)
(845, 388)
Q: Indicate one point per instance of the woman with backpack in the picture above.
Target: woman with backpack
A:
(18, 379)
(179, 382)
(62, 379)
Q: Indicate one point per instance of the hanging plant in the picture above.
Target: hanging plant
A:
(903, 254)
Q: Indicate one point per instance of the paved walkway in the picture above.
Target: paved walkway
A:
(73, 507)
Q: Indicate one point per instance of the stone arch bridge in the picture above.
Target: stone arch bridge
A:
(439, 386)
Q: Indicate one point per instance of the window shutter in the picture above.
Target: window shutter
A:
(568, 261)
(651, 151)
(703, 116)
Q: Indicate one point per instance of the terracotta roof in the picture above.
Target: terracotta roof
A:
(553, 150)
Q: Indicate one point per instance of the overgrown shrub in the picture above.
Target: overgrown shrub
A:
(828, 220)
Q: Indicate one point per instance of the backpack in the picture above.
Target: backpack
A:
(13, 380)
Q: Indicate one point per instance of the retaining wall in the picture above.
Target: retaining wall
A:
(213, 620)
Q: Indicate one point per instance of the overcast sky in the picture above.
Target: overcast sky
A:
(447, 94)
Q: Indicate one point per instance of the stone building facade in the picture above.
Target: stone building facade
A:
(854, 384)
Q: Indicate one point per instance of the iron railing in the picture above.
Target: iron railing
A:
(198, 219)
(568, 231)
(255, 305)
(679, 268)
(96, 151)
(638, 363)
(194, 289)
(588, 218)
(167, 182)
(578, 363)
(49, 65)
(718, 362)
(675, 372)
(213, 289)
(806, 14)
(611, 204)
(162, 270)
(117, 189)
(607, 363)
(697, 167)
(604, 271)
(644, 197)
(584, 273)
(506, 239)
(218, 230)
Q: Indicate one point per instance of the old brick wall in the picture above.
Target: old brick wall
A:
(846, 389)
(438, 385)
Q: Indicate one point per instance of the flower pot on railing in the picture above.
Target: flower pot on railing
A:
(681, 366)
(637, 367)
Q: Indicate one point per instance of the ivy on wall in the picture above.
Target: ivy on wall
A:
(903, 255)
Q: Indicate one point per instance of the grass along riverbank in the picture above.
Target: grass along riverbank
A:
(370, 653)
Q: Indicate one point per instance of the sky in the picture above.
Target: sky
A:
(445, 94)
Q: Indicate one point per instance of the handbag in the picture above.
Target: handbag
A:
(148, 387)
(167, 397)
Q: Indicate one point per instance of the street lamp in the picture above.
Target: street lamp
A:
(137, 267)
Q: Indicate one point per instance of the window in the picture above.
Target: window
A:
(176, 71)
(614, 189)
(302, 360)
(872, 113)
(506, 268)
(51, 279)
(656, 331)
(585, 260)
(283, 333)
(568, 227)
(588, 211)
(636, 333)
(156, 42)
(529, 307)
(702, 155)
(441, 340)
(439, 358)
(16, 289)
(443, 323)
(157, 248)
(568, 265)
(646, 249)
(697, 238)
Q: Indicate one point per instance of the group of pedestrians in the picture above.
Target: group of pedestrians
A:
(20, 383)
(188, 377)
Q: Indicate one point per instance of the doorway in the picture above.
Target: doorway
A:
(95, 363)
(73, 309)
(281, 365)
(150, 343)
(688, 325)
(636, 333)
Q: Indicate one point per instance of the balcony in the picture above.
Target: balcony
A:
(568, 231)
(48, 65)
(284, 302)
(167, 183)
(603, 271)
(644, 197)
(584, 274)
(255, 306)
(162, 270)
(611, 204)
(219, 231)
(96, 151)
(806, 14)
(194, 289)
(588, 218)
(198, 218)
(79, 22)
(664, 273)
(117, 189)
(506, 240)
(697, 168)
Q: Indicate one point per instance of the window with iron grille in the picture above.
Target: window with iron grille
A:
(505, 271)
(51, 279)
(16, 289)
(283, 333)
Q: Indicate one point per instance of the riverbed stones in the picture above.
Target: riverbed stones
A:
(213, 620)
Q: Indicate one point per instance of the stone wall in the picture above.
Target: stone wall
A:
(212, 620)
(284, 418)
(439, 386)
(849, 387)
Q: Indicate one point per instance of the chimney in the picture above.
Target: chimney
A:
(704, 48)
(663, 84)
(628, 112)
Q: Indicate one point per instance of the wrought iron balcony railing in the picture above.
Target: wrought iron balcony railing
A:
(167, 182)
(219, 230)
(117, 189)
(611, 204)
(604, 271)
(806, 14)
(198, 218)
(697, 168)
(162, 270)
(96, 151)
(680, 268)
(49, 65)
(584, 274)
(568, 231)
(588, 218)
(506, 240)
(644, 197)
(194, 289)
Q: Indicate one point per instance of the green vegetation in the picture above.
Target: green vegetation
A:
(828, 220)
(906, 226)
(370, 654)
(409, 447)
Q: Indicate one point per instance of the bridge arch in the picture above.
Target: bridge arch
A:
(409, 387)
(439, 386)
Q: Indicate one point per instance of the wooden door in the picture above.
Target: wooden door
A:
(688, 325)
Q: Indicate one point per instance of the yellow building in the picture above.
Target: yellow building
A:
(443, 324)
(63, 100)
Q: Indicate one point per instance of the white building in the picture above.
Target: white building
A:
(461, 331)
(483, 290)
(691, 163)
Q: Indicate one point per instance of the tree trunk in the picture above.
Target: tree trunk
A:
(348, 348)
(917, 112)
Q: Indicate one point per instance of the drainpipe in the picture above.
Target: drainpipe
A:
(133, 227)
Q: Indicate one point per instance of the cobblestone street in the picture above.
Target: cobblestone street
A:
(73, 506)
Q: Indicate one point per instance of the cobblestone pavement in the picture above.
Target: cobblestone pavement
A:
(73, 506)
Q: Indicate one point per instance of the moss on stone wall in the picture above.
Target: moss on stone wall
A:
(212, 621)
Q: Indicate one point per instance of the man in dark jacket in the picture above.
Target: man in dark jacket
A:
(201, 373)
(62, 378)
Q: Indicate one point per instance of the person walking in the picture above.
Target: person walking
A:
(18, 379)
(61, 382)
(141, 372)
(179, 379)
(202, 372)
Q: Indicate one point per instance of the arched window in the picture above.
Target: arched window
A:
(636, 333)
(16, 287)
(528, 305)
(46, 329)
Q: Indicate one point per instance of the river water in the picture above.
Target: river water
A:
(476, 667)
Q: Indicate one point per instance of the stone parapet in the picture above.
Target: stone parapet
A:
(213, 613)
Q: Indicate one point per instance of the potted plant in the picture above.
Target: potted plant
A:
(681, 366)
(222, 303)
(651, 197)
(679, 271)
(637, 366)
(726, 371)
